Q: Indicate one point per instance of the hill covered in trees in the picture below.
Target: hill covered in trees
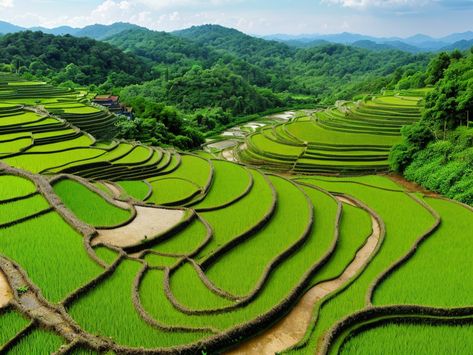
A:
(437, 152)
(327, 72)
(66, 58)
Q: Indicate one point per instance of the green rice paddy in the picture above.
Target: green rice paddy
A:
(254, 243)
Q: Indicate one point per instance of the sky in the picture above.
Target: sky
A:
(259, 17)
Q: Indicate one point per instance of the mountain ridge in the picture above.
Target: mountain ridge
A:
(413, 44)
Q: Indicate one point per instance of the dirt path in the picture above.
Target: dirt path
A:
(5, 291)
(149, 222)
(410, 186)
(115, 191)
(291, 329)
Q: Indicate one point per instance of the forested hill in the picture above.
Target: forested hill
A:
(163, 47)
(437, 152)
(101, 32)
(62, 58)
(327, 72)
(235, 42)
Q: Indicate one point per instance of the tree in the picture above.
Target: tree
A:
(437, 67)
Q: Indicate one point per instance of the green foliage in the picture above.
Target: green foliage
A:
(218, 87)
(22, 289)
(62, 58)
(437, 151)
(170, 55)
(204, 78)
(415, 138)
(156, 123)
(451, 102)
(212, 74)
(446, 166)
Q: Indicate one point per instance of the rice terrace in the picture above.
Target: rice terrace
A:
(208, 192)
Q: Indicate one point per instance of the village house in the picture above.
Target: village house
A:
(112, 103)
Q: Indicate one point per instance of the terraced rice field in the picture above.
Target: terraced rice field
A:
(352, 137)
(117, 246)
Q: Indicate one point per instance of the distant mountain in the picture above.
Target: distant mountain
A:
(101, 32)
(460, 45)
(391, 45)
(98, 32)
(57, 31)
(347, 38)
(418, 39)
(457, 37)
(413, 44)
(6, 27)
(280, 37)
(342, 38)
(302, 44)
(217, 37)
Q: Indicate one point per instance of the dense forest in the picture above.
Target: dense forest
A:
(437, 152)
(325, 73)
(66, 58)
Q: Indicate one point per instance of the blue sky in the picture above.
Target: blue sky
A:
(374, 17)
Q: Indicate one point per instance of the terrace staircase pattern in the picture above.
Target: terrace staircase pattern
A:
(249, 250)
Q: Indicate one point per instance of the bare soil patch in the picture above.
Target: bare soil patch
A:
(149, 222)
(292, 328)
(227, 154)
(6, 294)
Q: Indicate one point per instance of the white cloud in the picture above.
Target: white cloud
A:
(362, 4)
(6, 3)
(165, 4)
(111, 7)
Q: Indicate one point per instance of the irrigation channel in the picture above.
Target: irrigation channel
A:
(291, 329)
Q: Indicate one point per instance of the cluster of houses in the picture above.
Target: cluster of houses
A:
(112, 103)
